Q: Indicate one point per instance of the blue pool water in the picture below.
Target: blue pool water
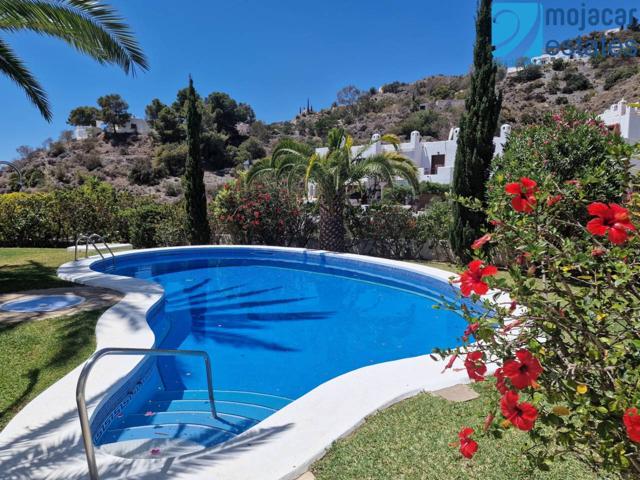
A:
(276, 325)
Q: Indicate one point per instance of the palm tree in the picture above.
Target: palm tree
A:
(89, 26)
(334, 173)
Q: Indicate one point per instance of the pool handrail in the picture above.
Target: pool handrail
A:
(91, 239)
(85, 426)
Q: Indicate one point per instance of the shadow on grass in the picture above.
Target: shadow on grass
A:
(74, 340)
(29, 276)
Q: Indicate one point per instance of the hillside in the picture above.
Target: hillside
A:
(150, 165)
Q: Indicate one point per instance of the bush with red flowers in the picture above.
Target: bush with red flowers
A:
(566, 344)
(262, 214)
(568, 147)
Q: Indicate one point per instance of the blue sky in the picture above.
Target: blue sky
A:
(272, 54)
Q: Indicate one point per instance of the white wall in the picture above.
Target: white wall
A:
(421, 152)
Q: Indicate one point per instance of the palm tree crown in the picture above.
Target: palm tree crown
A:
(90, 26)
(342, 167)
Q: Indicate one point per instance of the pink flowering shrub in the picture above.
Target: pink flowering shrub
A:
(262, 214)
(565, 349)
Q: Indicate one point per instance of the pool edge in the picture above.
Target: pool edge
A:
(323, 415)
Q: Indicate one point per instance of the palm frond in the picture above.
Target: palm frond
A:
(90, 26)
(391, 139)
(13, 68)
(260, 168)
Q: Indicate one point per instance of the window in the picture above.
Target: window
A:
(436, 161)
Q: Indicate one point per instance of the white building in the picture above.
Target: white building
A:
(546, 59)
(134, 125)
(435, 160)
(624, 119)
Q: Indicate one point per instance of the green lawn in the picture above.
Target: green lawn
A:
(31, 268)
(34, 355)
(410, 441)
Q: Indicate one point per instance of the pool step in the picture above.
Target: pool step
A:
(186, 414)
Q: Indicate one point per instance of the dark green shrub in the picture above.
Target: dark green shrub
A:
(528, 73)
(90, 161)
(171, 157)
(56, 149)
(427, 122)
(434, 223)
(383, 230)
(575, 82)
(431, 187)
(143, 173)
(558, 65)
(618, 75)
(393, 87)
(562, 101)
(155, 225)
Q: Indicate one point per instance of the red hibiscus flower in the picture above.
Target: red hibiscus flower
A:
(523, 193)
(631, 419)
(471, 279)
(522, 415)
(481, 241)
(474, 363)
(523, 371)
(470, 330)
(612, 220)
(551, 201)
(468, 447)
(500, 385)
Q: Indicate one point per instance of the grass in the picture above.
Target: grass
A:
(31, 268)
(34, 355)
(411, 441)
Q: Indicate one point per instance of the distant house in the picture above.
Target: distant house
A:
(624, 119)
(134, 125)
(434, 160)
(546, 59)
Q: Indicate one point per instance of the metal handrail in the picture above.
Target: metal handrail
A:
(17, 170)
(91, 239)
(85, 426)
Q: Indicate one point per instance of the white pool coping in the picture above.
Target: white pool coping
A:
(43, 440)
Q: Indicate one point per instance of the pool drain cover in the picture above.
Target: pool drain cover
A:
(42, 303)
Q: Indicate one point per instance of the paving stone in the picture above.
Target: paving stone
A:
(307, 476)
(457, 393)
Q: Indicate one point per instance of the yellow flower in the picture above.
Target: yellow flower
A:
(561, 410)
(582, 389)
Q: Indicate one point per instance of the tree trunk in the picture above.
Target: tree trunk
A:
(332, 230)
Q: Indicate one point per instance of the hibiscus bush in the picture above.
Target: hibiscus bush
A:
(262, 214)
(561, 326)
(569, 146)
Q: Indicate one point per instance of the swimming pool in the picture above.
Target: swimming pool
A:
(276, 323)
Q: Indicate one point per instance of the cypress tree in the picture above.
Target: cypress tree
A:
(475, 143)
(194, 193)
